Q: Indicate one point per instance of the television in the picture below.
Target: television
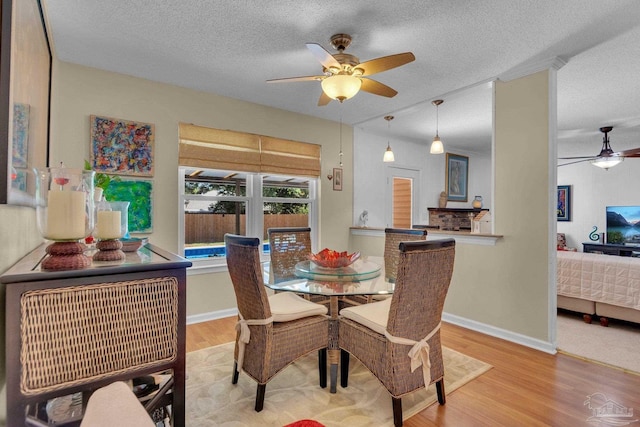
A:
(623, 225)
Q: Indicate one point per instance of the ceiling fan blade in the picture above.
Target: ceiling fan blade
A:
(577, 157)
(324, 99)
(326, 59)
(377, 88)
(385, 63)
(577, 161)
(296, 79)
(634, 152)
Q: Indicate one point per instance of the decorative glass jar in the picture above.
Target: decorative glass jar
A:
(477, 202)
(111, 225)
(65, 214)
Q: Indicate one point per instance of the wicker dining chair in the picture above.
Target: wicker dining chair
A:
(273, 331)
(392, 238)
(287, 247)
(384, 335)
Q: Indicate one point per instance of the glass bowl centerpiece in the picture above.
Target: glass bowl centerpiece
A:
(328, 258)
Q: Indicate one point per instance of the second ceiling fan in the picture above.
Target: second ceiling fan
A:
(343, 75)
(607, 157)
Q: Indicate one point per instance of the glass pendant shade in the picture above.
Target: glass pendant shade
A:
(606, 162)
(436, 146)
(388, 155)
(341, 86)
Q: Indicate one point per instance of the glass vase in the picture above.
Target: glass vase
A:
(111, 225)
(65, 214)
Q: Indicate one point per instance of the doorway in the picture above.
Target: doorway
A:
(401, 195)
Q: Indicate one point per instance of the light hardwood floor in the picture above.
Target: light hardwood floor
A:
(525, 387)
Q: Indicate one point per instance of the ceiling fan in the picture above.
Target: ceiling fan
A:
(343, 75)
(607, 157)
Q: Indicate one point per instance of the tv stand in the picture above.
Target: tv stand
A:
(610, 249)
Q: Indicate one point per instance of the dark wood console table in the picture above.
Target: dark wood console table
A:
(610, 249)
(72, 332)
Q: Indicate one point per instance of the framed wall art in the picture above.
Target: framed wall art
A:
(121, 147)
(139, 194)
(25, 76)
(337, 179)
(564, 203)
(457, 177)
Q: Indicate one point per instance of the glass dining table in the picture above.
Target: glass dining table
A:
(358, 283)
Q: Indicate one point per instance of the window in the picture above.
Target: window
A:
(216, 202)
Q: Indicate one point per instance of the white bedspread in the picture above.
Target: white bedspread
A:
(601, 278)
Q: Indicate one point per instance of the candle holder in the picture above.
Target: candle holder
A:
(111, 226)
(65, 214)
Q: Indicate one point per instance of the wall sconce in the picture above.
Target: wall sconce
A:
(388, 154)
(437, 146)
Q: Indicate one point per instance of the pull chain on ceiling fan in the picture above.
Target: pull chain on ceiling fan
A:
(343, 75)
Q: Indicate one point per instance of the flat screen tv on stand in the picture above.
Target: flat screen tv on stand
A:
(623, 225)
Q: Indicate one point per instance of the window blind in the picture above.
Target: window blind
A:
(210, 148)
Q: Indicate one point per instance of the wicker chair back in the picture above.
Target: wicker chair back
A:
(392, 239)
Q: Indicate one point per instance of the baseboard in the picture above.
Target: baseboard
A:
(212, 315)
(504, 334)
(483, 328)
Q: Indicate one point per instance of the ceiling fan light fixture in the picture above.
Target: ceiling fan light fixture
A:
(341, 86)
(605, 159)
(606, 162)
(436, 146)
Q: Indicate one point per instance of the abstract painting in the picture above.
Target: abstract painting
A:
(564, 203)
(139, 195)
(121, 146)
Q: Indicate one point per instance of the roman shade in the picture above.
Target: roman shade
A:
(210, 148)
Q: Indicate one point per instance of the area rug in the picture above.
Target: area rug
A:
(294, 394)
(617, 345)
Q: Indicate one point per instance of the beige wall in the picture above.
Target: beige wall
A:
(79, 92)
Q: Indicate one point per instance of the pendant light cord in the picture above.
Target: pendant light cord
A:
(340, 154)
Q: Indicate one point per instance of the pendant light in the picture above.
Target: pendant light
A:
(388, 154)
(436, 145)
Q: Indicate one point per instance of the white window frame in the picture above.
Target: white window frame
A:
(254, 215)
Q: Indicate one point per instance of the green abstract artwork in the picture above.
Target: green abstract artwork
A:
(139, 195)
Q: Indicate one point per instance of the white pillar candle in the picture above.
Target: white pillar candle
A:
(65, 215)
(108, 225)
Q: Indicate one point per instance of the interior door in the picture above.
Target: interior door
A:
(401, 196)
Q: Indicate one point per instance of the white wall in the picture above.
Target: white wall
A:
(592, 188)
(369, 172)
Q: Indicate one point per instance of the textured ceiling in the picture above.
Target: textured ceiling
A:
(232, 47)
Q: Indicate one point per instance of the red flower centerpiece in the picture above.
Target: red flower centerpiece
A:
(329, 258)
